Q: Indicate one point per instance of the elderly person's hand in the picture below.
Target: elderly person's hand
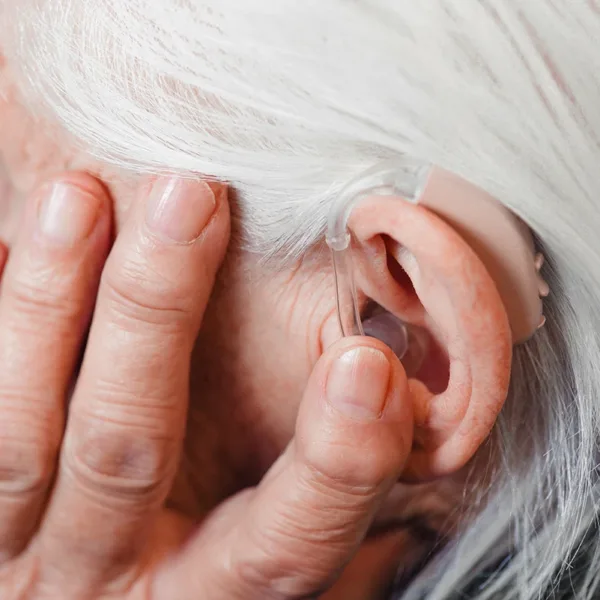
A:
(83, 485)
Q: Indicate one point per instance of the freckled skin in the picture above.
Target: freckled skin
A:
(461, 298)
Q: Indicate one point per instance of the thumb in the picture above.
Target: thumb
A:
(308, 517)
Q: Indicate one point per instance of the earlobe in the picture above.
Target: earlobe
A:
(419, 268)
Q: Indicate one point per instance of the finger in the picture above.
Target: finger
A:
(127, 417)
(48, 291)
(305, 522)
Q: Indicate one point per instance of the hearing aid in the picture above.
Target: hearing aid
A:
(503, 242)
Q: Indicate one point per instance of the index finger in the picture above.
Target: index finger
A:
(127, 417)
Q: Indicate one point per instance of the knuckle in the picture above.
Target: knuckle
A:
(138, 293)
(130, 400)
(26, 461)
(121, 461)
(309, 528)
(346, 468)
(249, 574)
(278, 574)
(262, 571)
(299, 552)
(44, 299)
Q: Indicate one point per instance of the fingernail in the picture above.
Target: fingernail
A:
(358, 383)
(179, 210)
(68, 214)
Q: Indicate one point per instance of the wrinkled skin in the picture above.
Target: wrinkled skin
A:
(32, 151)
(261, 336)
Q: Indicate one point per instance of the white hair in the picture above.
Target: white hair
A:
(289, 99)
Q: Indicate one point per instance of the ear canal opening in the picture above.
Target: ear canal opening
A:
(423, 356)
(434, 366)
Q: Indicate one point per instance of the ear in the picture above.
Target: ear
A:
(420, 269)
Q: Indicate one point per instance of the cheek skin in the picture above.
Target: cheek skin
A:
(257, 347)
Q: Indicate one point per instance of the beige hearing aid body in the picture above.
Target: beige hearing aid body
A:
(501, 240)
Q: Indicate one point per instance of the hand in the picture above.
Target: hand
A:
(81, 497)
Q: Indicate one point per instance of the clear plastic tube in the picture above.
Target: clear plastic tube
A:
(346, 296)
(399, 177)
